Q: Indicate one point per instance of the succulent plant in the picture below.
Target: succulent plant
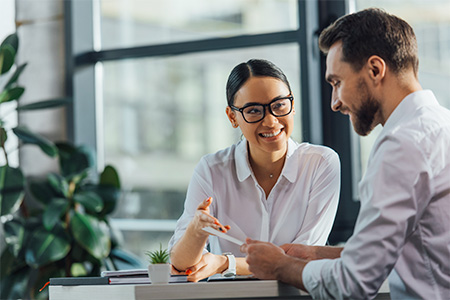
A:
(160, 256)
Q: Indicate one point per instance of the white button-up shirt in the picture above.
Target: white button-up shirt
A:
(300, 208)
(404, 221)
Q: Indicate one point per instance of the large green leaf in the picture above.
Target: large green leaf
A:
(12, 40)
(109, 194)
(44, 104)
(91, 234)
(59, 184)
(29, 137)
(45, 247)
(7, 56)
(31, 223)
(12, 186)
(15, 76)
(14, 285)
(6, 263)
(11, 94)
(109, 176)
(74, 160)
(42, 191)
(14, 234)
(54, 211)
(90, 200)
(78, 269)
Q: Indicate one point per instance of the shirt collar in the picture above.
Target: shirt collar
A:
(241, 157)
(243, 169)
(408, 105)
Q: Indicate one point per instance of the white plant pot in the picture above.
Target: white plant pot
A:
(159, 273)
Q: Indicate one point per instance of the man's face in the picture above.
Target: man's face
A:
(351, 93)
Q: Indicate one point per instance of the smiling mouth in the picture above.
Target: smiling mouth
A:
(268, 135)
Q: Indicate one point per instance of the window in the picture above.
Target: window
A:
(130, 23)
(148, 82)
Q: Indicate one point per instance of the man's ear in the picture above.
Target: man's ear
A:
(377, 68)
(231, 116)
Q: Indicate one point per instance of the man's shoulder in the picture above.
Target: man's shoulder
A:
(419, 139)
(424, 126)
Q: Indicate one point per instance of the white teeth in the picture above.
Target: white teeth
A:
(271, 134)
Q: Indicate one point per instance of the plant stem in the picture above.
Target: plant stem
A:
(68, 264)
(67, 260)
(4, 150)
(72, 187)
(24, 209)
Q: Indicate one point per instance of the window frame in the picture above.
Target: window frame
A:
(319, 124)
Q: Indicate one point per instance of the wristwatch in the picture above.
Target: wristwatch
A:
(231, 270)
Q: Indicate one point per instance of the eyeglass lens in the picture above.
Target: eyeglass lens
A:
(279, 108)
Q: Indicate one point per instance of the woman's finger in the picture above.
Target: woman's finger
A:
(209, 220)
(175, 271)
(205, 204)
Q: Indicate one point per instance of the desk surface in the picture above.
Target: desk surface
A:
(260, 289)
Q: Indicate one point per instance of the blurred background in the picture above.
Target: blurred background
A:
(147, 79)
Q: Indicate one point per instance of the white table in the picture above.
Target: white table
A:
(259, 289)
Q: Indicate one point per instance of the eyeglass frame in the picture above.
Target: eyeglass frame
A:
(289, 97)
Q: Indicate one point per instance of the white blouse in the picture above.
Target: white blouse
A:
(300, 208)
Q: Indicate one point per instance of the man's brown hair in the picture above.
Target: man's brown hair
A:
(373, 32)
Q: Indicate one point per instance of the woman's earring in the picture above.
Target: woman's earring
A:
(234, 125)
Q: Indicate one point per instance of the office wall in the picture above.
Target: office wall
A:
(41, 35)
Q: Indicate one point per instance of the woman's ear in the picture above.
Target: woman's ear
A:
(377, 68)
(293, 106)
(232, 117)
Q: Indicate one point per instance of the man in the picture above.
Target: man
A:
(403, 228)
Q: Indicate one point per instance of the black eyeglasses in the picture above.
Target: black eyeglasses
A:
(255, 112)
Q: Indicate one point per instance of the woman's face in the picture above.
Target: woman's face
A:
(269, 135)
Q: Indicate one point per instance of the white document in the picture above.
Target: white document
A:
(223, 235)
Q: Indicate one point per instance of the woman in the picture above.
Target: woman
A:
(265, 187)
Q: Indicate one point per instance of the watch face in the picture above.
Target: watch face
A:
(228, 274)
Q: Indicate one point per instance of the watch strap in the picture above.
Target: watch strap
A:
(231, 270)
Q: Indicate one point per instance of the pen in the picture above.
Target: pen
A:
(223, 235)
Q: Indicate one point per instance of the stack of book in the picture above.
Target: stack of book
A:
(136, 276)
(132, 276)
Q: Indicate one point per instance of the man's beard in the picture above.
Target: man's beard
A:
(363, 122)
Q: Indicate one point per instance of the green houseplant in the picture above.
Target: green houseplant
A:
(159, 267)
(55, 225)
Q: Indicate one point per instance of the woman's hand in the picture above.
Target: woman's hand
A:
(210, 264)
(188, 251)
(203, 219)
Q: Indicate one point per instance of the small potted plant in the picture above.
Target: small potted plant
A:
(159, 267)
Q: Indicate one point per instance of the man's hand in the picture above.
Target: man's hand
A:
(267, 261)
(210, 264)
(300, 251)
(262, 258)
(312, 252)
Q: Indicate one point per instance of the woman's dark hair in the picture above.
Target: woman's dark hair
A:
(373, 32)
(254, 67)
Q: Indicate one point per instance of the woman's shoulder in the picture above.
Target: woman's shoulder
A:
(223, 156)
(312, 150)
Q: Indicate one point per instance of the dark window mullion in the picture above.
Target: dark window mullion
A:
(243, 41)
